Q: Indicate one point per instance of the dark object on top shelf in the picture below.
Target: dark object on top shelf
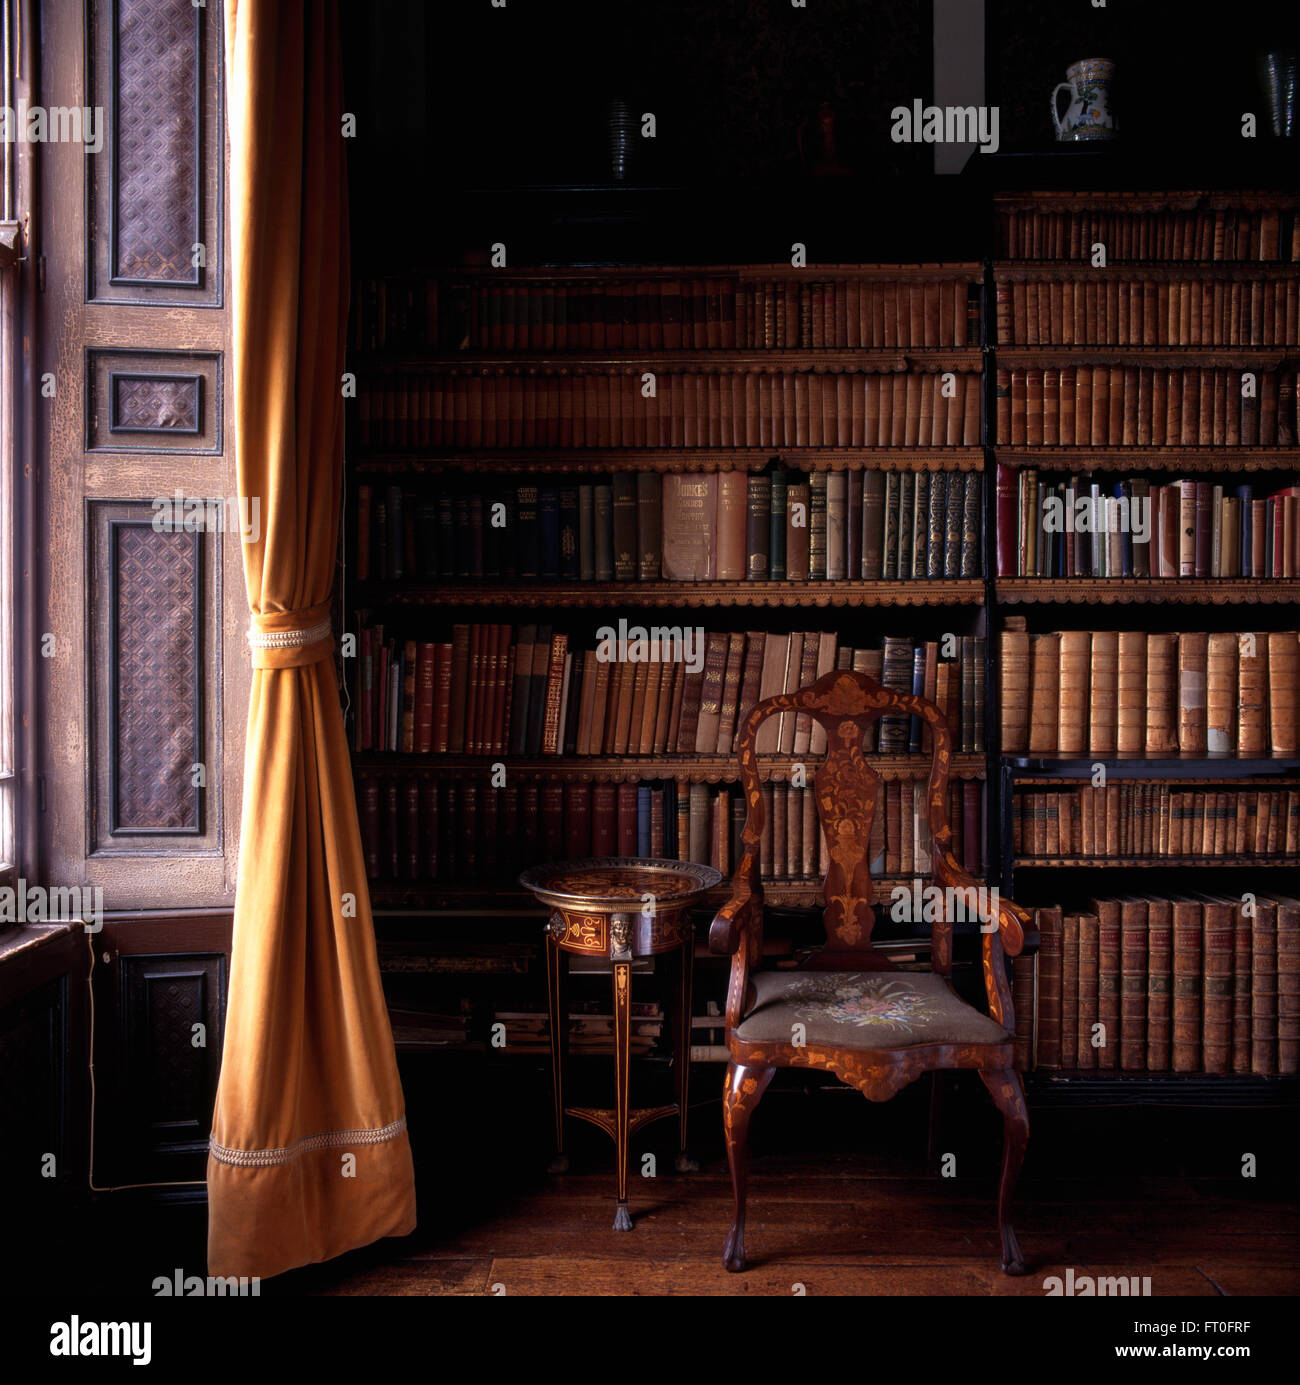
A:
(1277, 81)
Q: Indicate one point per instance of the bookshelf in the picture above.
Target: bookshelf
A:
(842, 377)
(751, 393)
(1197, 290)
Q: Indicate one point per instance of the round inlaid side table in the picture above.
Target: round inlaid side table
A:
(621, 908)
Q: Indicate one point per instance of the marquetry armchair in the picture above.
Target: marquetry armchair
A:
(848, 1010)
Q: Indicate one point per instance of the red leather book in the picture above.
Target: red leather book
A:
(473, 687)
(554, 694)
(577, 820)
(1288, 983)
(530, 822)
(971, 834)
(1023, 971)
(627, 820)
(604, 820)
(1263, 989)
(429, 828)
(368, 815)
(1071, 1055)
(1133, 984)
(1109, 934)
(1159, 983)
(1187, 971)
(425, 678)
(1007, 519)
(505, 694)
(390, 851)
(1241, 984)
(552, 811)
(442, 698)
(1216, 983)
(489, 837)
(1051, 935)
(458, 688)
(657, 823)
(1204, 529)
(1091, 1038)
(410, 848)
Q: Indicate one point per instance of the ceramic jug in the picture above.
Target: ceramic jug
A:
(1088, 115)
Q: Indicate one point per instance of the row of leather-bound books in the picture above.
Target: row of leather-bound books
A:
(1193, 983)
(777, 525)
(735, 310)
(1138, 692)
(493, 689)
(1158, 819)
(1091, 405)
(1134, 233)
(1079, 527)
(590, 1029)
(466, 830)
(508, 406)
(1120, 309)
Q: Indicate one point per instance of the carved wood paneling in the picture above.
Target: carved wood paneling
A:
(33, 1057)
(155, 404)
(155, 681)
(154, 684)
(165, 403)
(155, 186)
(168, 1067)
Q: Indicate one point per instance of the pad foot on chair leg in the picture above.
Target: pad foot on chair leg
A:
(622, 1217)
(733, 1251)
(1013, 1262)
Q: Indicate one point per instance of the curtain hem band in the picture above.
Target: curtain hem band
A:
(262, 1158)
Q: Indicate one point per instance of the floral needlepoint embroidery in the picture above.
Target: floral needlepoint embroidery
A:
(862, 1001)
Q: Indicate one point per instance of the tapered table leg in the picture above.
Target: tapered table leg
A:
(557, 966)
(622, 1041)
(682, 1057)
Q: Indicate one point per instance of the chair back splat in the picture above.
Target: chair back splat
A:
(847, 792)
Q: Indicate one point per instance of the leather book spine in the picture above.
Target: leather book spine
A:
(871, 543)
(1217, 985)
(1024, 979)
(577, 819)
(626, 800)
(1050, 963)
(1133, 985)
(425, 677)
(798, 531)
(1103, 693)
(1072, 721)
(603, 536)
(1089, 1035)
(1264, 989)
(817, 526)
(1045, 672)
(1193, 651)
(625, 547)
(837, 524)
(1288, 985)
(856, 479)
(554, 694)
(1159, 983)
(460, 675)
(778, 512)
(1109, 981)
(733, 496)
(1187, 971)
(649, 525)
(1241, 988)
(1283, 684)
(709, 716)
(759, 525)
(1130, 727)
(1070, 1053)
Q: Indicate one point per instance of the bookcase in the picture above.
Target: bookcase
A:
(529, 458)
(1144, 365)
(785, 462)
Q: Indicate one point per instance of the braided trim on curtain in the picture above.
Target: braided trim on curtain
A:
(261, 1158)
(289, 639)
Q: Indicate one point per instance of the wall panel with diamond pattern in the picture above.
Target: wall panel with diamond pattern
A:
(155, 187)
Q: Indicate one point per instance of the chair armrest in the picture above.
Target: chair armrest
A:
(1013, 921)
(730, 922)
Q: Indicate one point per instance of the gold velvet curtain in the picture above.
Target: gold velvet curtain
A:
(309, 1154)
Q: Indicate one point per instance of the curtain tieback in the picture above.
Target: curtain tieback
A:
(291, 639)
